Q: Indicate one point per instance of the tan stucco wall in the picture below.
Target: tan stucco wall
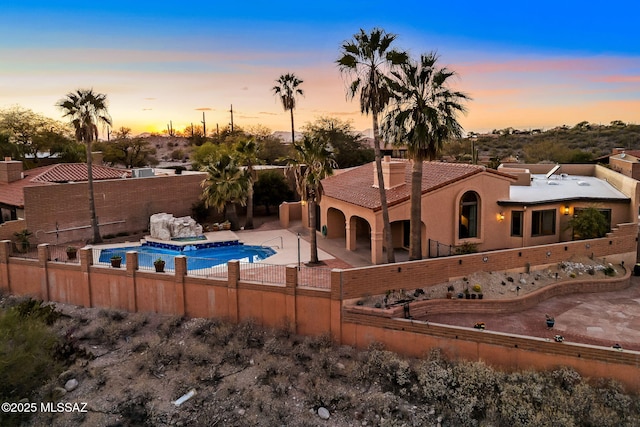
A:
(441, 212)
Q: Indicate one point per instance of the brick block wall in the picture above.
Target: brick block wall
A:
(618, 245)
(125, 203)
(505, 351)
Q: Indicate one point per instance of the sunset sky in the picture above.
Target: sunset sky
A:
(538, 66)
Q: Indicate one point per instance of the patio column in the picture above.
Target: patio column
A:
(376, 247)
(351, 242)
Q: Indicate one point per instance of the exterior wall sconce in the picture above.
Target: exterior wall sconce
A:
(565, 210)
(501, 216)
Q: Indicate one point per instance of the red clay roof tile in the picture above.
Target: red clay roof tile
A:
(13, 193)
(356, 185)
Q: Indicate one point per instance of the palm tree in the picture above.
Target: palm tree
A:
(423, 117)
(287, 89)
(312, 162)
(86, 110)
(246, 153)
(366, 58)
(226, 184)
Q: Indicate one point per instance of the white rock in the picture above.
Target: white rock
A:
(164, 226)
(71, 385)
(323, 413)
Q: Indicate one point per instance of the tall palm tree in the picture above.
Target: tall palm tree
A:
(246, 153)
(287, 89)
(366, 58)
(225, 185)
(423, 117)
(311, 163)
(86, 110)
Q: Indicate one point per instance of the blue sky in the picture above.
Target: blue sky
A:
(532, 65)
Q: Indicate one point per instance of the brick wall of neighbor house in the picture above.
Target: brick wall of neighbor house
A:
(311, 311)
(124, 205)
(7, 229)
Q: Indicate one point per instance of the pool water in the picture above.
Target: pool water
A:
(196, 258)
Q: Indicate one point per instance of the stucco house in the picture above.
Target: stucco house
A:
(514, 206)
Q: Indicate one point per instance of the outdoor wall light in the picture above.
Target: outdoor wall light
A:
(566, 210)
(501, 216)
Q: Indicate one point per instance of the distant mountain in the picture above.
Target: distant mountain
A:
(285, 136)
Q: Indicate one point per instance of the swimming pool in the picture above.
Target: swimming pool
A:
(197, 257)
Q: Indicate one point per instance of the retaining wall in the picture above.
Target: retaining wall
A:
(315, 311)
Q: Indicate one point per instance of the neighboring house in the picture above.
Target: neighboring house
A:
(53, 200)
(627, 162)
(514, 206)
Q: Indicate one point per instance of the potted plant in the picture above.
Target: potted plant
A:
(478, 290)
(22, 240)
(72, 252)
(450, 290)
(159, 265)
(116, 261)
(550, 321)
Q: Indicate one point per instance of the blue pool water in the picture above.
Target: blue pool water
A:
(197, 256)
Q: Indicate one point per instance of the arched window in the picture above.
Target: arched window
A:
(468, 224)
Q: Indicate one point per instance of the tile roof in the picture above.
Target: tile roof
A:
(77, 172)
(13, 193)
(356, 185)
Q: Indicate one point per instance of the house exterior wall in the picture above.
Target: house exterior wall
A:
(441, 212)
(628, 166)
(440, 215)
(122, 205)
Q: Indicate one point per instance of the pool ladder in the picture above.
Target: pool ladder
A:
(271, 246)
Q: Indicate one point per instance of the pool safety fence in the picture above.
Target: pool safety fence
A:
(263, 273)
(217, 271)
(314, 277)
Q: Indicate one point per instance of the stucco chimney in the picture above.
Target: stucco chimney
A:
(97, 157)
(618, 150)
(392, 172)
(10, 170)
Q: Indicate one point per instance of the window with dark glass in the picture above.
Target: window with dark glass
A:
(468, 224)
(543, 223)
(516, 223)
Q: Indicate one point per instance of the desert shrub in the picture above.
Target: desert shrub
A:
(26, 349)
(168, 327)
(214, 332)
(34, 309)
(250, 334)
(135, 410)
(435, 378)
(466, 248)
(112, 314)
(177, 154)
(566, 378)
(609, 271)
(390, 370)
(318, 342)
(319, 392)
(324, 363)
(163, 355)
